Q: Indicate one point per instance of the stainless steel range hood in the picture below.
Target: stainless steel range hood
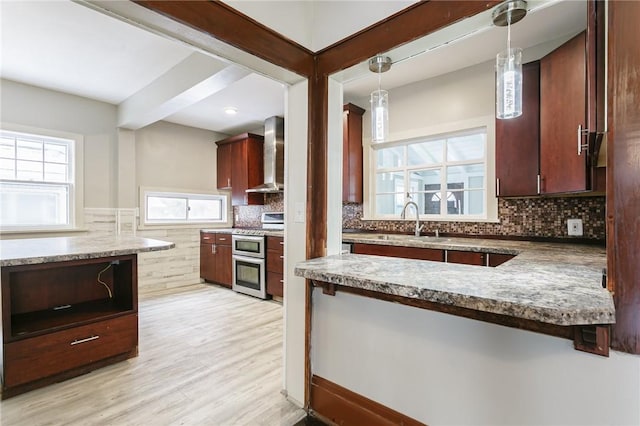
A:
(273, 156)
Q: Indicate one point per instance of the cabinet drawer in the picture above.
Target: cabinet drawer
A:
(435, 255)
(207, 238)
(275, 261)
(466, 257)
(223, 239)
(275, 284)
(275, 244)
(38, 357)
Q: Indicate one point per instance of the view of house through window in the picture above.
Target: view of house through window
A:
(444, 175)
(172, 207)
(36, 181)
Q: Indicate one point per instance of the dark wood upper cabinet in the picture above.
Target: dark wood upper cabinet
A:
(352, 153)
(240, 167)
(518, 141)
(223, 166)
(563, 93)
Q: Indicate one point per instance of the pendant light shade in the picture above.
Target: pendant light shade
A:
(509, 62)
(509, 83)
(379, 101)
(379, 116)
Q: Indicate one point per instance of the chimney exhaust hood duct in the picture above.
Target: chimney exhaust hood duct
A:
(273, 156)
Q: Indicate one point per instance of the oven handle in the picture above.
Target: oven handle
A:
(254, 260)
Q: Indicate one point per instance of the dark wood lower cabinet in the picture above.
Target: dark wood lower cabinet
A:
(466, 257)
(436, 255)
(216, 264)
(63, 319)
(275, 266)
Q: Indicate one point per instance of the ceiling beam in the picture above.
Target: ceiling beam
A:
(224, 23)
(192, 80)
(409, 24)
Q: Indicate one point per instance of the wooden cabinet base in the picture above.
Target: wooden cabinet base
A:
(8, 392)
(344, 407)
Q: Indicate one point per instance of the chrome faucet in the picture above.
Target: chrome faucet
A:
(403, 214)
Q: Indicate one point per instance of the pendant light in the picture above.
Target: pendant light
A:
(509, 62)
(379, 101)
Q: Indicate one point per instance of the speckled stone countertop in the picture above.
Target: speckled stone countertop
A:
(547, 282)
(44, 250)
(246, 231)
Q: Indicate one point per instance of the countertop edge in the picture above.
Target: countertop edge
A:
(587, 315)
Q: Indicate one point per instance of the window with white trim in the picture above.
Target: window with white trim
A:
(445, 175)
(37, 181)
(162, 207)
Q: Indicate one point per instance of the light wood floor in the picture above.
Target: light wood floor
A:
(208, 356)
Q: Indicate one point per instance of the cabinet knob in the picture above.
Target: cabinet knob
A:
(281, 257)
(281, 243)
(228, 181)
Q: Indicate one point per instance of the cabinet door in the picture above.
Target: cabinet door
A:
(518, 140)
(562, 110)
(223, 265)
(400, 251)
(275, 284)
(247, 170)
(466, 257)
(352, 153)
(223, 166)
(207, 262)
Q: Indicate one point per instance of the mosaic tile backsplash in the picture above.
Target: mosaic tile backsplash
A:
(249, 216)
(523, 217)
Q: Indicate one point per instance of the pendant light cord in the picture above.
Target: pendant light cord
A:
(508, 35)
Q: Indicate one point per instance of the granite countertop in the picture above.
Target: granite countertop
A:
(246, 231)
(548, 282)
(44, 250)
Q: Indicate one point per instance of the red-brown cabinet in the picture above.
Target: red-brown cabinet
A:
(275, 266)
(215, 258)
(352, 153)
(518, 141)
(240, 167)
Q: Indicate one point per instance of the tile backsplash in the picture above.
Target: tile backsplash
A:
(522, 217)
(249, 216)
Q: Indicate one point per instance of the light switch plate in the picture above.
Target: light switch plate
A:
(300, 212)
(574, 227)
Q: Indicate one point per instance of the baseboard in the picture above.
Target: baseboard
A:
(343, 407)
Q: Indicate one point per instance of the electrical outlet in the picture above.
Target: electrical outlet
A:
(574, 227)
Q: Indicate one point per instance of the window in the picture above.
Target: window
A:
(444, 175)
(162, 207)
(37, 181)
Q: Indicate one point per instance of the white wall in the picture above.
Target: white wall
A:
(295, 198)
(441, 369)
(174, 156)
(47, 109)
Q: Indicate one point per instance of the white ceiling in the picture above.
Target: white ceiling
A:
(65, 46)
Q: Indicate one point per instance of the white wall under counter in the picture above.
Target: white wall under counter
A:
(443, 369)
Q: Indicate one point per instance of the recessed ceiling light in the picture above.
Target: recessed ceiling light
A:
(231, 110)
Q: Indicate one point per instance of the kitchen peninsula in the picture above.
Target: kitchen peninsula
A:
(544, 284)
(69, 306)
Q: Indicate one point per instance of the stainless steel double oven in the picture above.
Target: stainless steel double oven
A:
(249, 265)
